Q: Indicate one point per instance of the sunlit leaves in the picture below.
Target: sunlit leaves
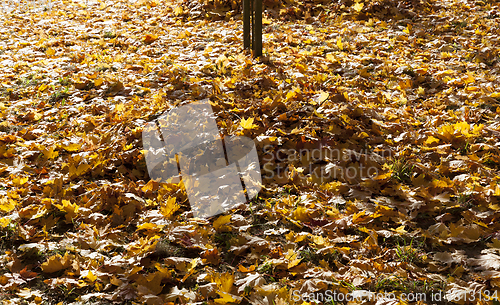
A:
(7, 204)
(340, 45)
(191, 268)
(376, 123)
(71, 147)
(178, 10)
(358, 6)
(57, 262)
(4, 222)
(431, 140)
(79, 170)
(150, 38)
(292, 258)
(169, 207)
(248, 123)
(89, 275)
(50, 52)
(50, 153)
(321, 97)
(460, 130)
(69, 208)
(220, 223)
(224, 281)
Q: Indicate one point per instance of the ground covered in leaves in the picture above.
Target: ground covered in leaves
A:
(377, 127)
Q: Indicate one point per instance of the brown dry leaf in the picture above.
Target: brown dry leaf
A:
(150, 38)
(57, 262)
(210, 256)
(27, 274)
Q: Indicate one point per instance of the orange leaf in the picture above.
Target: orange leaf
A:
(50, 52)
(242, 268)
(27, 274)
(150, 38)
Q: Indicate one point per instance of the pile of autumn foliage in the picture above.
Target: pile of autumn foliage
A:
(308, 9)
(377, 126)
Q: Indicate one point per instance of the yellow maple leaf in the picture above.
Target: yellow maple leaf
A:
(226, 298)
(149, 226)
(339, 43)
(462, 128)
(191, 268)
(90, 276)
(178, 10)
(72, 147)
(400, 230)
(50, 52)
(50, 153)
(169, 208)
(43, 87)
(431, 140)
(290, 95)
(4, 222)
(301, 214)
(358, 6)
(248, 123)
(242, 268)
(293, 261)
(476, 130)
(359, 217)
(384, 176)
(69, 208)
(469, 79)
(120, 107)
(19, 181)
(98, 82)
(497, 191)
(224, 282)
(56, 263)
(447, 131)
(330, 57)
(78, 171)
(319, 240)
(149, 186)
(221, 222)
(7, 204)
(442, 183)
(407, 29)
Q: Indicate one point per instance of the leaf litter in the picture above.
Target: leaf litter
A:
(400, 100)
